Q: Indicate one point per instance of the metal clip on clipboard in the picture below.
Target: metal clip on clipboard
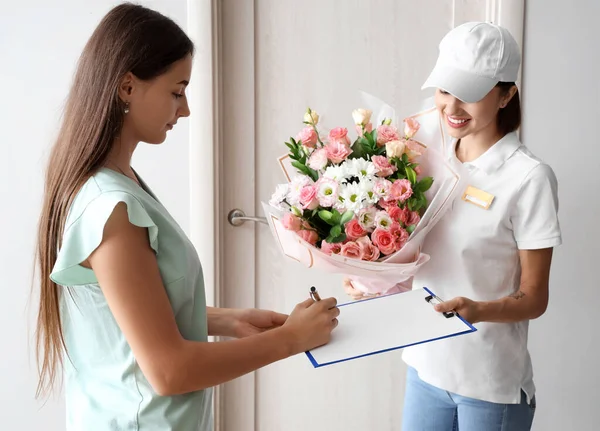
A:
(447, 314)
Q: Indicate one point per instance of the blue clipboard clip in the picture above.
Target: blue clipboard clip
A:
(432, 297)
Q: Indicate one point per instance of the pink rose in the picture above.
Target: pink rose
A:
(308, 137)
(386, 134)
(368, 129)
(413, 149)
(310, 236)
(404, 215)
(339, 134)
(387, 204)
(352, 249)
(308, 197)
(369, 251)
(400, 236)
(411, 127)
(331, 248)
(414, 218)
(383, 166)
(337, 151)
(354, 230)
(291, 222)
(401, 190)
(318, 159)
(384, 240)
(395, 212)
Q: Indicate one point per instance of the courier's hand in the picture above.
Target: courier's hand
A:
(355, 293)
(467, 308)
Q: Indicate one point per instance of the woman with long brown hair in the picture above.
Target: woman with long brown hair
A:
(122, 304)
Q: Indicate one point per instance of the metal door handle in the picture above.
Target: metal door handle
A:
(237, 217)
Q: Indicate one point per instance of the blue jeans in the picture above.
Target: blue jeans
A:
(427, 408)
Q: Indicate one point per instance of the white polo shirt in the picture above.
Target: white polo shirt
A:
(475, 253)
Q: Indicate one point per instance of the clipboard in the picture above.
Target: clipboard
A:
(386, 323)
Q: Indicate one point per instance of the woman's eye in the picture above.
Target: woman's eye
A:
(177, 95)
(444, 92)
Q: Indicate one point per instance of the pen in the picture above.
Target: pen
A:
(314, 294)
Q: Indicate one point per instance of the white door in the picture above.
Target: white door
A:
(276, 58)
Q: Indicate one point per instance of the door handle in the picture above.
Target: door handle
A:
(237, 217)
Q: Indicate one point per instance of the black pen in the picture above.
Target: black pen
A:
(314, 294)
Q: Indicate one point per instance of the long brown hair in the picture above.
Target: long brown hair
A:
(130, 38)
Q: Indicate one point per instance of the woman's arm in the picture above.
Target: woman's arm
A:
(242, 322)
(529, 302)
(127, 271)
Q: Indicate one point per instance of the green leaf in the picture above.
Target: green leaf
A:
(358, 149)
(337, 239)
(346, 217)
(337, 217)
(423, 201)
(405, 158)
(335, 231)
(326, 216)
(410, 204)
(410, 229)
(425, 184)
(411, 175)
(300, 166)
(340, 238)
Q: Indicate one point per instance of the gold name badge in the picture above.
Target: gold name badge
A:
(478, 197)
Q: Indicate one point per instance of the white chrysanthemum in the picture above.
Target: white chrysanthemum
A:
(366, 186)
(353, 197)
(337, 173)
(280, 194)
(296, 185)
(360, 168)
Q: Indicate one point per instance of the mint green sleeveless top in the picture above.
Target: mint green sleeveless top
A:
(105, 388)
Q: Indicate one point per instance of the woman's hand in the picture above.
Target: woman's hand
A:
(311, 323)
(467, 308)
(240, 323)
(252, 321)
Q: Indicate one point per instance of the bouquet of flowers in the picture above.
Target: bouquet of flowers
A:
(362, 208)
(361, 200)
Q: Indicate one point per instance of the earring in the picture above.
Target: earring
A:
(126, 110)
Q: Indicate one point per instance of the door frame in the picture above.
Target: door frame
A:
(209, 230)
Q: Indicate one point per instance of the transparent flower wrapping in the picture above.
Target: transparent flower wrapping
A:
(382, 276)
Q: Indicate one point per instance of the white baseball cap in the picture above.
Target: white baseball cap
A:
(473, 58)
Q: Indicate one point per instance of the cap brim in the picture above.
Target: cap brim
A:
(468, 87)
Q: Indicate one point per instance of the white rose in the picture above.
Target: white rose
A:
(394, 149)
(361, 116)
(311, 117)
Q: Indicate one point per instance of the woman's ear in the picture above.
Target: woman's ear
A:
(507, 97)
(126, 87)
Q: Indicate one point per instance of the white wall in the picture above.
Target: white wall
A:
(561, 94)
(40, 42)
